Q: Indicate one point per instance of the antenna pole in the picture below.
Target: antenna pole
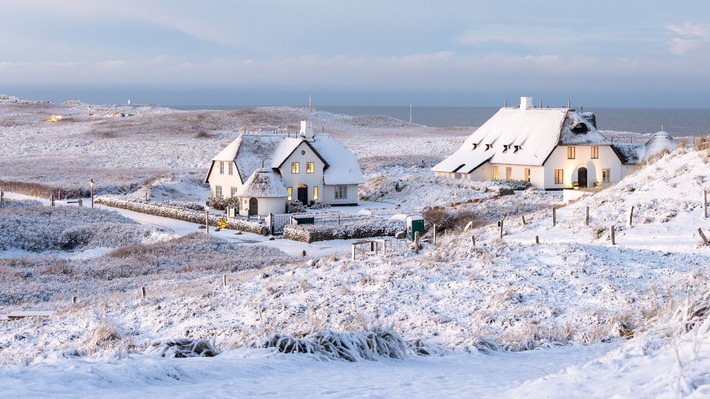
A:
(410, 113)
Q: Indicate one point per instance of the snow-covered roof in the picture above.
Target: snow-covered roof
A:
(658, 143)
(248, 151)
(519, 136)
(263, 183)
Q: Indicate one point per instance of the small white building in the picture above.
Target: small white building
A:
(552, 148)
(311, 167)
(262, 193)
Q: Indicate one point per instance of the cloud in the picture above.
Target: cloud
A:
(687, 37)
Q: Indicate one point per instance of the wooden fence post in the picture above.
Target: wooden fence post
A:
(705, 204)
(554, 216)
(416, 242)
(500, 223)
(473, 241)
(586, 217)
(523, 217)
(142, 292)
(537, 240)
(612, 234)
(224, 280)
(702, 235)
(631, 216)
(433, 236)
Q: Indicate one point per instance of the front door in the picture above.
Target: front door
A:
(253, 206)
(582, 177)
(303, 194)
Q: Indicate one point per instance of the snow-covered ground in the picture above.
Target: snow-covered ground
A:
(572, 316)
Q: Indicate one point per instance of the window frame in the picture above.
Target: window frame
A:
(341, 192)
(595, 152)
(559, 176)
(606, 175)
(310, 168)
(295, 168)
(571, 152)
(315, 193)
(290, 193)
(526, 174)
(508, 173)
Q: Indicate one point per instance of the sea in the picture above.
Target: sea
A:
(676, 121)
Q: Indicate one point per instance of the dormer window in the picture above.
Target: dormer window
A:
(580, 128)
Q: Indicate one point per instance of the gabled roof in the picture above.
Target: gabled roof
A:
(263, 183)
(248, 151)
(519, 136)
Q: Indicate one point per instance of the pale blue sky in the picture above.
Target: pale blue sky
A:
(365, 52)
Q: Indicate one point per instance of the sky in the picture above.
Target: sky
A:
(367, 52)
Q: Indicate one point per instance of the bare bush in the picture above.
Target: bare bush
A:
(453, 218)
(184, 348)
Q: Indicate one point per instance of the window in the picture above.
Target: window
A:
(315, 193)
(508, 173)
(295, 167)
(310, 167)
(290, 193)
(495, 173)
(231, 168)
(595, 152)
(526, 174)
(233, 191)
(218, 191)
(606, 175)
(341, 192)
(221, 167)
(570, 152)
(559, 176)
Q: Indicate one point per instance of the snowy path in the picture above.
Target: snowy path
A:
(246, 373)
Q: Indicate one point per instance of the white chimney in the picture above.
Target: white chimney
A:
(306, 129)
(526, 102)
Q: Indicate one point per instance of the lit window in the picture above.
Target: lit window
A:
(290, 193)
(508, 173)
(595, 152)
(295, 167)
(526, 176)
(315, 193)
(218, 191)
(606, 175)
(230, 170)
(341, 192)
(495, 173)
(310, 167)
(570, 152)
(221, 167)
(559, 176)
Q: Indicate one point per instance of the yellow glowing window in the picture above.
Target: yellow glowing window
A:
(315, 193)
(570, 152)
(595, 152)
(295, 167)
(290, 193)
(559, 176)
(310, 167)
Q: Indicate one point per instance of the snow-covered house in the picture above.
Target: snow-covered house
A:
(309, 167)
(552, 148)
(263, 193)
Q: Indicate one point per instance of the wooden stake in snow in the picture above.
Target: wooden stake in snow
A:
(433, 235)
(537, 240)
(73, 300)
(705, 204)
(586, 217)
(142, 292)
(554, 216)
(612, 235)
(702, 235)
(500, 224)
(416, 242)
(473, 241)
(224, 280)
(631, 216)
(523, 217)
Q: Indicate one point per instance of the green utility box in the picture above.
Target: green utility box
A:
(415, 224)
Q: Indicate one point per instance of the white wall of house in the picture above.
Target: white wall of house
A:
(303, 155)
(224, 179)
(582, 158)
(346, 193)
(265, 206)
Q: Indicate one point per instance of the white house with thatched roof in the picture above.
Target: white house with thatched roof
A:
(311, 167)
(552, 148)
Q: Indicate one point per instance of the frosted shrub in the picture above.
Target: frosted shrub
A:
(452, 218)
(184, 347)
(352, 346)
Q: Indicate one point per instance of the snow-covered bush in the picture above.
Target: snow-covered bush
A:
(361, 229)
(453, 218)
(184, 347)
(351, 346)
